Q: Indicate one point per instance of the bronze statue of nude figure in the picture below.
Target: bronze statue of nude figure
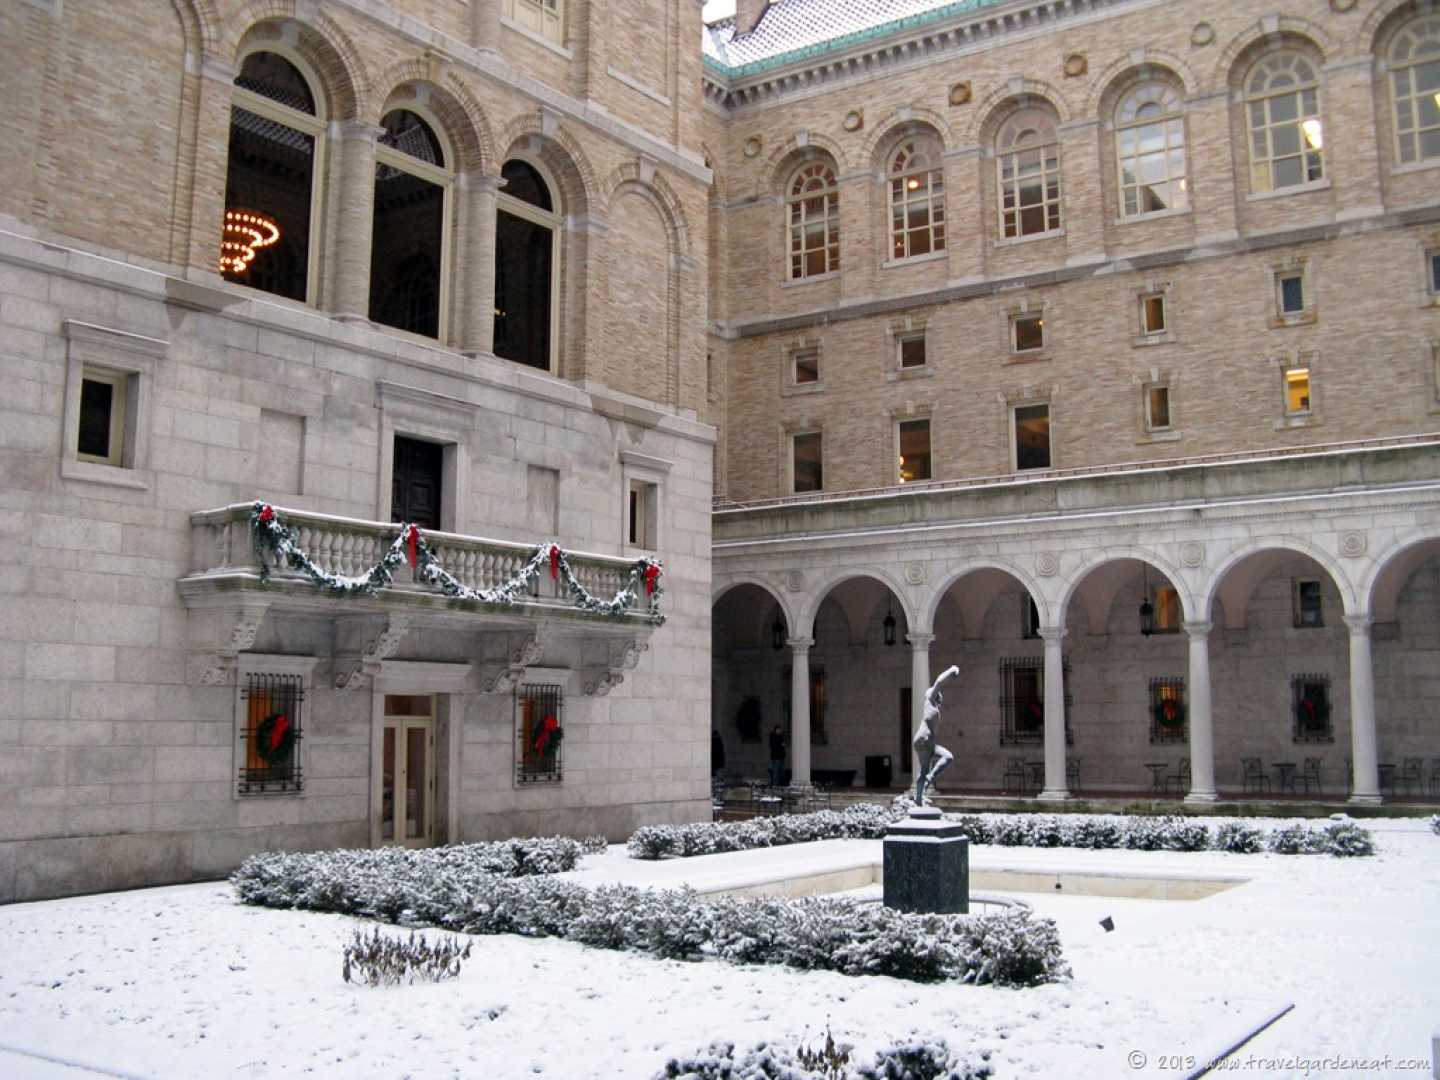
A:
(933, 757)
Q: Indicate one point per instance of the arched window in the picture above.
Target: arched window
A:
(1415, 87)
(1028, 153)
(408, 283)
(917, 199)
(1150, 141)
(272, 188)
(1283, 101)
(527, 266)
(814, 206)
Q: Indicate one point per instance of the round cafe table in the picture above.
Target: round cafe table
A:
(1157, 774)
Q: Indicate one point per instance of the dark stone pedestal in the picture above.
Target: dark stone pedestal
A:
(927, 865)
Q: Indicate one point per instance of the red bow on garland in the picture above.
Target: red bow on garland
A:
(277, 731)
(554, 561)
(548, 727)
(267, 514)
(652, 575)
(412, 543)
(1309, 707)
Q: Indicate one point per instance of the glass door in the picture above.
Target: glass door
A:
(407, 785)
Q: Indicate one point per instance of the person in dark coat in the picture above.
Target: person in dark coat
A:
(777, 756)
(717, 752)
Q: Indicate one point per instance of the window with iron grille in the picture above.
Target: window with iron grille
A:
(1169, 719)
(1022, 701)
(818, 704)
(1310, 707)
(539, 732)
(271, 734)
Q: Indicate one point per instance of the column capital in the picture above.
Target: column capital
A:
(1055, 634)
(800, 644)
(482, 181)
(919, 640)
(1198, 628)
(357, 130)
(1359, 624)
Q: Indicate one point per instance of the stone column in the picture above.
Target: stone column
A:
(477, 305)
(1352, 159)
(919, 682)
(1054, 713)
(1202, 725)
(1366, 787)
(800, 709)
(354, 148)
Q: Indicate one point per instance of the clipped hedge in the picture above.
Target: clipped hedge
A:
(865, 821)
(915, 1058)
(1009, 949)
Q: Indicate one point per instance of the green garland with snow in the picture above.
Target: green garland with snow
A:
(274, 541)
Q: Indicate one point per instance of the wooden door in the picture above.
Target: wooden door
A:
(415, 491)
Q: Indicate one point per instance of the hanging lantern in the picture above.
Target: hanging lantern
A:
(1147, 609)
(889, 625)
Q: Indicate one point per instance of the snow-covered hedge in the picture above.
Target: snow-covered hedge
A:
(910, 1059)
(1435, 824)
(1174, 833)
(1010, 949)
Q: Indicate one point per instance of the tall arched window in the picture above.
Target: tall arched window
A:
(1283, 101)
(814, 207)
(527, 266)
(917, 198)
(272, 189)
(408, 283)
(1415, 89)
(1028, 153)
(1150, 141)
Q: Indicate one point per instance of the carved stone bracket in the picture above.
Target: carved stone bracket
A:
(529, 651)
(504, 672)
(502, 681)
(623, 656)
(381, 647)
(244, 625)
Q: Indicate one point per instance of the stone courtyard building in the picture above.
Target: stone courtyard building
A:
(1089, 344)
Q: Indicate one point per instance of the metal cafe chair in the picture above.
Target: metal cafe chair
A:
(1412, 771)
(1072, 773)
(1013, 779)
(1252, 772)
(1180, 777)
(1311, 774)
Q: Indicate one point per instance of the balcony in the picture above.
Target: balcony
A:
(574, 613)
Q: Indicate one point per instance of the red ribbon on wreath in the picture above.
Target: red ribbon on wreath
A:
(267, 514)
(1169, 711)
(548, 727)
(412, 545)
(652, 575)
(277, 732)
(1309, 706)
(554, 561)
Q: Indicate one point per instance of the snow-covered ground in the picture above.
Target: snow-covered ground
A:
(185, 982)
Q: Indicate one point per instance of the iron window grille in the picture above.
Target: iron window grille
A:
(1169, 717)
(539, 733)
(1022, 701)
(270, 739)
(1310, 708)
(818, 705)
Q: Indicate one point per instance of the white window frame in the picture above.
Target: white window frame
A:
(790, 442)
(900, 422)
(1015, 320)
(646, 475)
(543, 18)
(799, 216)
(552, 220)
(1144, 108)
(1297, 611)
(312, 125)
(128, 359)
(1262, 96)
(442, 177)
(1151, 427)
(1403, 69)
(119, 383)
(1029, 133)
(795, 357)
(1146, 330)
(1014, 407)
(1298, 367)
(910, 337)
(914, 185)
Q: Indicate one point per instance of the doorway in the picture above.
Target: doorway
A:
(407, 785)
(907, 752)
(416, 481)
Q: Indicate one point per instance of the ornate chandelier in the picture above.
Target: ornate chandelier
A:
(246, 232)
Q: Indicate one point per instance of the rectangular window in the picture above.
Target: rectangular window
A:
(1308, 611)
(1167, 610)
(1310, 700)
(807, 366)
(539, 732)
(818, 705)
(1029, 333)
(271, 733)
(1032, 437)
(1029, 618)
(1292, 293)
(1022, 701)
(102, 416)
(1152, 313)
(807, 473)
(1157, 408)
(912, 351)
(914, 450)
(1433, 259)
(1167, 711)
(642, 514)
(1297, 391)
(542, 17)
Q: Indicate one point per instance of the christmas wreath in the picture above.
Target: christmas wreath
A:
(1167, 713)
(1035, 713)
(547, 738)
(274, 739)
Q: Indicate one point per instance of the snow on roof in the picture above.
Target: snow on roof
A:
(790, 29)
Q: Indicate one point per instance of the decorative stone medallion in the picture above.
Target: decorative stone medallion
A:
(795, 580)
(1047, 564)
(854, 120)
(1192, 553)
(1202, 35)
(960, 93)
(1076, 64)
(753, 145)
(1353, 543)
(915, 573)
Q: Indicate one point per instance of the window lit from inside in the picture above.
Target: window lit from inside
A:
(1150, 141)
(914, 438)
(1297, 391)
(806, 465)
(1282, 100)
(807, 366)
(1166, 604)
(540, 733)
(103, 405)
(1029, 333)
(917, 199)
(1152, 314)
(1415, 86)
(1032, 436)
(1157, 408)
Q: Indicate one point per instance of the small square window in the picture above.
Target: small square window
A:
(1433, 277)
(1152, 313)
(807, 474)
(1157, 408)
(1029, 333)
(642, 513)
(807, 366)
(1308, 610)
(914, 450)
(1032, 437)
(912, 351)
(102, 416)
(1297, 391)
(1292, 294)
